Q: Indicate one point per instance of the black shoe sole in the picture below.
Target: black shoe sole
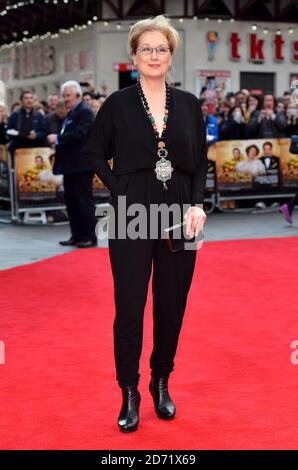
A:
(68, 244)
(161, 416)
(126, 431)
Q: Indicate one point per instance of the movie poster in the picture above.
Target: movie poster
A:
(4, 176)
(289, 165)
(248, 165)
(35, 180)
(211, 171)
(229, 154)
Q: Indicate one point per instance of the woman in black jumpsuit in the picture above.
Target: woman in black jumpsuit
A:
(130, 127)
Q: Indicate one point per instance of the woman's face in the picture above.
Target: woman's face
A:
(268, 102)
(252, 101)
(252, 153)
(292, 110)
(204, 108)
(224, 108)
(232, 101)
(237, 114)
(153, 65)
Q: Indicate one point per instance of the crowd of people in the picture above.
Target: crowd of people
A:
(227, 116)
(64, 124)
(31, 120)
(230, 116)
(244, 115)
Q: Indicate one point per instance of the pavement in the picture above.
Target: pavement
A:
(22, 244)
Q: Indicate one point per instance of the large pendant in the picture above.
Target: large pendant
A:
(163, 168)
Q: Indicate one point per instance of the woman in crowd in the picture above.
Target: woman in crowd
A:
(234, 127)
(3, 124)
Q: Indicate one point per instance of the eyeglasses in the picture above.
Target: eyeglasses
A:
(149, 50)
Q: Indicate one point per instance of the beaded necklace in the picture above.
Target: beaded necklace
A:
(163, 167)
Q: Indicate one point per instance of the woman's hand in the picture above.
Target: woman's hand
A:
(195, 218)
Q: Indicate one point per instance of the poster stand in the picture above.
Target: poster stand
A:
(259, 196)
(35, 211)
(7, 215)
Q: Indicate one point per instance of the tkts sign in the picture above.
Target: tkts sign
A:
(256, 48)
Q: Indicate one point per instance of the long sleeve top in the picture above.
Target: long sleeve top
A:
(122, 131)
(229, 129)
(267, 128)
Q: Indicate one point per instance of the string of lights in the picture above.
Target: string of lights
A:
(255, 27)
(26, 38)
(15, 6)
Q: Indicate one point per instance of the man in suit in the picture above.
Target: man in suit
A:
(272, 165)
(77, 172)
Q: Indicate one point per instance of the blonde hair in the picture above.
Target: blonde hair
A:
(159, 23)
(3, 109)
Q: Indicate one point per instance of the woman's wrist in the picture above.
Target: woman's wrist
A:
(199, 205)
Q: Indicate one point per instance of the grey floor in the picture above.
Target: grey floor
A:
(21, 244)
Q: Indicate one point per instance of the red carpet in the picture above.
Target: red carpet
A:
(234, 384)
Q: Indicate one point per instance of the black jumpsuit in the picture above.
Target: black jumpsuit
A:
(122, 131)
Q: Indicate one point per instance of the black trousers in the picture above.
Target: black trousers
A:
(132, 261)
(80, 205)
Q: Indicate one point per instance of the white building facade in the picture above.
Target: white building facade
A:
(231, 53)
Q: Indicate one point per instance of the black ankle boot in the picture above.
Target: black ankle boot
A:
(164, 407)
(128, 418)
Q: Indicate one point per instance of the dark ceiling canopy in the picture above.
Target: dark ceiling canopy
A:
(37, 17)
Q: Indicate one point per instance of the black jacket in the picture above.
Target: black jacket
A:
(69, 151)
(271, 164)
(291, 129)
(53, 123)
(229, 129)
(122, 131)
(267, 128)
(37, 124)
